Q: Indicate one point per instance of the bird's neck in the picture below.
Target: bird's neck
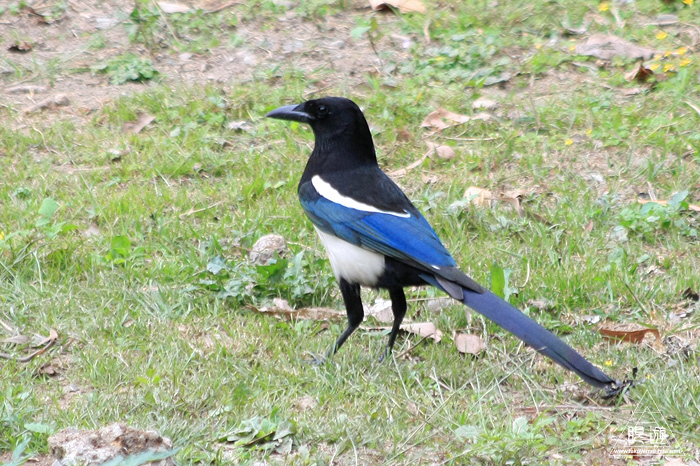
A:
(340, 151)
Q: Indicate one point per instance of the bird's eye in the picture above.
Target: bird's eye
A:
(322, 110)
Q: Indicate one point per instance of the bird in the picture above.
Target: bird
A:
(375, 237)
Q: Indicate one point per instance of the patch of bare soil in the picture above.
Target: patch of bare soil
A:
(61, 54)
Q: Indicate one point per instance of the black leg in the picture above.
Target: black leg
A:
(353, 307)
(398, 307)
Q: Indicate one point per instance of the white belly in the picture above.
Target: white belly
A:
(352, 263)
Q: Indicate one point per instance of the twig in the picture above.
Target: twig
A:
(404, 353)
(223, 7)
(31, 356)
(195, 211)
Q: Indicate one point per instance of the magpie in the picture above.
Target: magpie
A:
(375, 237)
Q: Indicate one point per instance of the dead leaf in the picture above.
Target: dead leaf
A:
(239, 126)
(20, 46)
(439, 119)
(606, 47)
(423, 329)
(47, 369)
(404, 6)
(485, 198)
(589, 227)
(639, 73)
(173, 7)
(403, 135)
(438, 304)
(443, 152)
(629, 336)
(484, 103)
(17, 340)
(692, 207)
(380, 310)
(135, 127)
(468, 344)
(42, 341)
(478, 196)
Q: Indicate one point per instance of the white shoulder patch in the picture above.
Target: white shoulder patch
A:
(332, 194)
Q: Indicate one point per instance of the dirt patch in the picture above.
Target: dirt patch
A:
(92, 32)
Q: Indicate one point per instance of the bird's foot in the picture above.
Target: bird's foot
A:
(383, 355)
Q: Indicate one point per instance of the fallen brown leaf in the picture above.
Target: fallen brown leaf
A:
(484, 103)
(443, 152)
(135, 127)
(639, 73)
(439, 119)
(173, 7)
(404, 6)
(380, 310)
(479, 196)
(606, 47)
(629, 336)
(589, 227)
(17, 340)
(468, 344)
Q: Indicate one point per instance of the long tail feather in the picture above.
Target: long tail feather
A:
(508, 317)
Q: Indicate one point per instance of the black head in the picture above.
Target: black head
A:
(328, 117)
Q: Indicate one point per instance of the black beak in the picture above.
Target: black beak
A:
(290, 112)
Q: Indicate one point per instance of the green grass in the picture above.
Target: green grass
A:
(150, 337)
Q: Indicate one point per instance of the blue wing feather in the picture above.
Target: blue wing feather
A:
(403, 238)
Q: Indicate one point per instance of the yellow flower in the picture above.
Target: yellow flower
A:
(572, 48)
(568, 142)
(685, 62)
(658, 56)
(588, 133)
(654, 66)
(605, 6)
(2, 235)
(681, 50)
(668, 67)
(667, 53)
(649, 375)
(538, 46)
(688, 2)
(608, 362)
(661, 35)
